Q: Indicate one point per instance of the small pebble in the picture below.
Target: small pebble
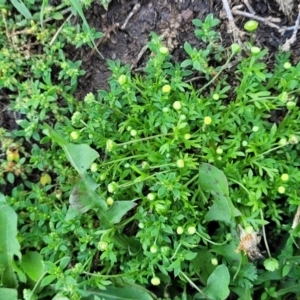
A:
(187, 15)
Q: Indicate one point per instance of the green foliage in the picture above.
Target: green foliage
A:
(9, 244)
(215, 290)
(136, 192)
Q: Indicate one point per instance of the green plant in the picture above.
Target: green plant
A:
(141, 188)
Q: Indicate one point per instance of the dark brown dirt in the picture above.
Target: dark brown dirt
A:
(171, 19)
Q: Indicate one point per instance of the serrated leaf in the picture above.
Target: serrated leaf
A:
(9, 244)
(80, 156)
(32, 265)
(217, 284)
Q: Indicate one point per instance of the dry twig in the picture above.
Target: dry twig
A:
(288, 43)
(135, 9)
(267, 21)
(231, 24)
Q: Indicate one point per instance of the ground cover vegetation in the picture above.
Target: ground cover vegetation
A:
(159, 187)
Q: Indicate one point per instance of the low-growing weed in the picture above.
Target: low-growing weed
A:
(160, 186)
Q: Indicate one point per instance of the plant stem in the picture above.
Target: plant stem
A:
(209, 241)
(144, 139)
(264, 234)
(217, 75)
(122, 159)
(193, 284)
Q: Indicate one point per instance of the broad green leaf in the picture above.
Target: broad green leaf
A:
(80, 156)
(2, 198)
(84, 197)
(8, 294)
(188, 48)
(64, 262)
(202, 264)
(118, 210)
(32, 265)
(9, 245)
(47, 280)
(121, 293)
(217, 284)
(228, 252)
(211, 179)
(219, 211)
(21, 7)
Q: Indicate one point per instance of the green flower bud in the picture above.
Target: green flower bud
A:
(112, 187)
(74, 135)
(187, 136)
(293, 139)
(109, 201)
(177, 105)
(251, 25)
(255, 50)
(284, 177)
(151, 196)
(102, 246)
(207, 120)
(219, 150)
(94, 167)
(122, 79)
(180, 163)
(216, 96)
(290, 104)
(191, 230)
(153, 249)
(235, 48)
(155, 281)
(163, 50)
(283, 141)
(133, 132)
(179, 230)
(166, 89)
(110, 145)
(287, 65)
